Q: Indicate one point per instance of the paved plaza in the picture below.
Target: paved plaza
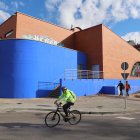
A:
(98, 104)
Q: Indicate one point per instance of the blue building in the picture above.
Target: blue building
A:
(31, 69)
(37, 59)
(26, 64)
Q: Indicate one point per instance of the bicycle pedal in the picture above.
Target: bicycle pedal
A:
(66, 119)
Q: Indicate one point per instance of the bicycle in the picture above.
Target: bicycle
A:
(53, 118)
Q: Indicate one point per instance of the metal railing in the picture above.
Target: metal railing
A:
(82, 74)
(47, 85)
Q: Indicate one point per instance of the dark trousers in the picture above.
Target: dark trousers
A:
(121, 93)
(127, 90)
(66, 106)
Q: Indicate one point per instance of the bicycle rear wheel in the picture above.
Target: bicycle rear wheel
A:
(52, 119)
(75, 117)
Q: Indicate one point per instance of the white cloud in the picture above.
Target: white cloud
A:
(135, 36)
(21, 3)
(3, 6)
(86, 13)
(51, 4)
(4, 16)
(17, 4)
(5, 9)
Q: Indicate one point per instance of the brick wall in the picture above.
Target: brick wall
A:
(115, 51)
(101, 45)
(7, 26)
(90, 42)
(27, 25)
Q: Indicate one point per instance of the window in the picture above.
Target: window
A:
(9, 33)
(96, 71)
(136, 70)
(80, 67)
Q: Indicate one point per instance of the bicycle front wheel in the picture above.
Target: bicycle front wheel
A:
(75, 117)
(52, 119)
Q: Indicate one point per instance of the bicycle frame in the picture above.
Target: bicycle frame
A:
(58, 110)
(72, 119)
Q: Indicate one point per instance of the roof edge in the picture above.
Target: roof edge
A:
(41, 20)
(119, 37)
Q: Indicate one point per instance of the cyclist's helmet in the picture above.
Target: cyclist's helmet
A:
(64, 88)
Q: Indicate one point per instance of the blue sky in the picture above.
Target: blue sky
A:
(121, 16)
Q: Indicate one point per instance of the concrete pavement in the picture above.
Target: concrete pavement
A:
(99, 104)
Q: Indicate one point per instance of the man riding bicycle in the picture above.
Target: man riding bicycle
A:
(68, 98)
(73, 117)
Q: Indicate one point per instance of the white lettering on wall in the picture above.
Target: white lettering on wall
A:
(44, 39)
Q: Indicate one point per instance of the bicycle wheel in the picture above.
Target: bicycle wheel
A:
(75, 117)
(52, 119)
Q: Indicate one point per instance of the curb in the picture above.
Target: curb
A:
(82, 112)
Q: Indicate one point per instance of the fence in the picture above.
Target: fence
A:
(82, 74)
(47, 85)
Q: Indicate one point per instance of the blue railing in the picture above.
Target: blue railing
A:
(82, 74)
(47, 85)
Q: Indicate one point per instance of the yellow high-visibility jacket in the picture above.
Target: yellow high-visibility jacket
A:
(67, 96)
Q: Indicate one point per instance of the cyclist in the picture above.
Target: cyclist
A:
(68, 98)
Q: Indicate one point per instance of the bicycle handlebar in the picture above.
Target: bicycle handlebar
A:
(58, 104)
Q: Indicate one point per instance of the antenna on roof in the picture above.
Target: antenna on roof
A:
(71, 28)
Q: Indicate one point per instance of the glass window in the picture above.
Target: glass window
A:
(136, 70)
(80, 67)
(96, 71)
(9, 33)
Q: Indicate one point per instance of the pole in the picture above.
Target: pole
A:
(124, 88)
(124, 66)
(60, 91)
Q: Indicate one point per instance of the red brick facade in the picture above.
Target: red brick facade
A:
(102, 46)
(116, 51)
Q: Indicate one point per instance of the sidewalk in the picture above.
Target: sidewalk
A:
(103, 104)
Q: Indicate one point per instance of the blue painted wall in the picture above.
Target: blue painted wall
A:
(25, 62)
(84, 87)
